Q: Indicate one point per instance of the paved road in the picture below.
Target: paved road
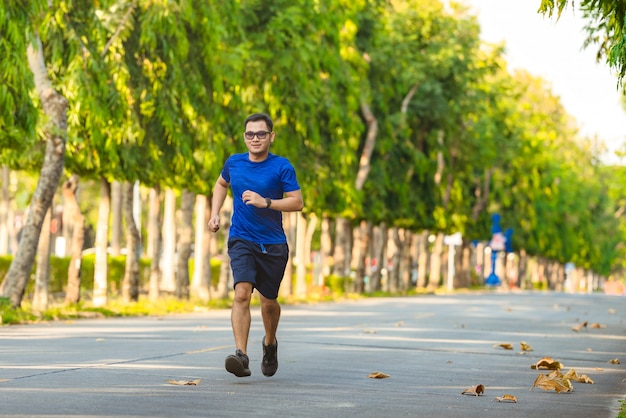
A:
(432, 348)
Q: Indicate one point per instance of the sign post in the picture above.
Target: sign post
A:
(499, 242)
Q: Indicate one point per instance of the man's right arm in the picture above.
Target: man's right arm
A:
(219, 195)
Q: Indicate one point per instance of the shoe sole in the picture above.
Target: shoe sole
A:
(269, 373)
(235, 366)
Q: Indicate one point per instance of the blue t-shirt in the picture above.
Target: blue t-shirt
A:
(271, 178)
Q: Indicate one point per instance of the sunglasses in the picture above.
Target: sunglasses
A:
(260, 134)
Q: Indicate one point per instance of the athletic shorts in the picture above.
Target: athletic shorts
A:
(263, 265)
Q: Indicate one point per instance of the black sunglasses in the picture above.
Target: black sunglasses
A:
(260, 134)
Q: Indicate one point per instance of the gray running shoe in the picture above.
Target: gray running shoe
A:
(237, 364)
(269, 365)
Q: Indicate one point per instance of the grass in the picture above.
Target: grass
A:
(115, 308)
(622, 413)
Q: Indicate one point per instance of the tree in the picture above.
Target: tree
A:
(606, 27)
(54, 106)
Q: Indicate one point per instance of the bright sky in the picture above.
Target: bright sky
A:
(553, 50)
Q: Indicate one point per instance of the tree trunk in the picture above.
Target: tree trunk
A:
(339, 255)
(405, 259)
(464, 274)
(378, 256)
(301, 265)
(184, 244)
(422, 260)
(77, 238)
(5, 207)
(395, 250)
(168, 280)
(290, 225)
(225, 271)
(116, 219)
(101, 267)
(55, 107)
(154, 242)
(362, 244)
(368, 146)
(130, 286)
(308, 240)
(326, 249)
(42, 276)
(522, 269)
(435, 263)
(201, 282)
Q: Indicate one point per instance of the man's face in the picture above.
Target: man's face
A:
(258, 147)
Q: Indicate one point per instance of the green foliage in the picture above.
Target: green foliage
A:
(158, 92)
(336, 284)
(605, 26)
(622, 413)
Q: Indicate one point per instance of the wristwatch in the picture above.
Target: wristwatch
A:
(269, 202)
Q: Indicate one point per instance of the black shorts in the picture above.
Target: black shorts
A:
(263, 265)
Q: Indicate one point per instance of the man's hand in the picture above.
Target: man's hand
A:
(253, 198)
(214, 223)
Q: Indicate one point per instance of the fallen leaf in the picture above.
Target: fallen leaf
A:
(99, 340)
(525, 346)
(598, 369)
(589, 350)
(579, 326)
(400, 323)
(475, 390)
(612, 311)
(369, 331)
(614, 361)
(572, 375)
(378, 375)
(547, 363)
(553, 381)
(595, 325)
(506, 346)
(195, 382)
(506, 398)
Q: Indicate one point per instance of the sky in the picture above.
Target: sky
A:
(553, 50)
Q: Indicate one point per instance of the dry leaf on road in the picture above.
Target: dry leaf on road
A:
(547, 363)
(553, 381)
(614, 361)
(195, 382)
(506, 346)
(506, 398)
(596, 325)
(475, 390)
(378, 375)
(525, 346)
(572, 375)
(579, 326)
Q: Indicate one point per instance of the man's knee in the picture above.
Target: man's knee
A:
(243, 292)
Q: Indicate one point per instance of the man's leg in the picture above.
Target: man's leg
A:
(240, 315)
(238, 363)
(270, 311)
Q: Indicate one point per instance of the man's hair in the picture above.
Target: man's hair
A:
(260, 116)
